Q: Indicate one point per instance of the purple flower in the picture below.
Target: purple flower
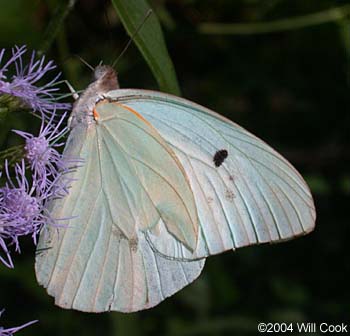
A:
(47, 164)
(11, 331)
(22, 211)
(24, 83)
(24, 203)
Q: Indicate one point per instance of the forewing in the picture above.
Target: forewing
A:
(101, 260)
(251, 196)
(156, 169)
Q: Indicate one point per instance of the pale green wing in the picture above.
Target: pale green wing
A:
(126, 136)
(101, 260)
(254, 196)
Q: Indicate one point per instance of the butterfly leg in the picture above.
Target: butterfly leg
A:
(72, 90)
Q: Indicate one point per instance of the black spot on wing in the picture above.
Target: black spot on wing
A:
(220, 157)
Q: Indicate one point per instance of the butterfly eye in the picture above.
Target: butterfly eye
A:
(220, 157)
(100, 71)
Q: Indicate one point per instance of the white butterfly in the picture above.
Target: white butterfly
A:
(165, 184)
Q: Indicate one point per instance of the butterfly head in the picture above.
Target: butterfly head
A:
(105, 77)
(104, 80)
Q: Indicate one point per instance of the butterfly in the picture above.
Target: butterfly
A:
(165, 183)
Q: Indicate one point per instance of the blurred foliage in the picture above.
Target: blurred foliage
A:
(290, 88)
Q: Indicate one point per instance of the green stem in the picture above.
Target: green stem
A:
(330, 15)
(10, 104)
(61, 12)
(344, 31)
(12, 155)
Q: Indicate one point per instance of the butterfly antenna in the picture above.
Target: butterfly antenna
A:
(148, 14)
(86, 63)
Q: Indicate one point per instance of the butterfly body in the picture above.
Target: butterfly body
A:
(165, 184)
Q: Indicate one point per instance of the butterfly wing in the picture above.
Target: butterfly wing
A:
(101, 260)
(245, 192)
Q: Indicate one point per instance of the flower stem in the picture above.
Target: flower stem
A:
(9, 104)
(13, 154)
(61, 12)
(329, 15)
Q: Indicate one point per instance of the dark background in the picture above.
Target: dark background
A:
(289, 88)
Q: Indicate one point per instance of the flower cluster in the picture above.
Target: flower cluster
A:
(22, 84)
(46, 163)
(24, 201)
(11, 331)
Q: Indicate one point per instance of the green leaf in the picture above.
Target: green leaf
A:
(149, 40)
